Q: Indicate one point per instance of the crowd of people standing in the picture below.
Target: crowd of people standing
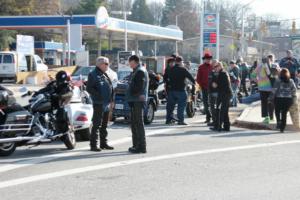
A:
(220, 88)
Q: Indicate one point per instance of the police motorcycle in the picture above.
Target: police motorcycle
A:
(44, 120)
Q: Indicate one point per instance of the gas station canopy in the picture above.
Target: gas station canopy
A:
(114, 29)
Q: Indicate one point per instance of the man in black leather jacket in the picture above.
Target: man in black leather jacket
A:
(99, 86)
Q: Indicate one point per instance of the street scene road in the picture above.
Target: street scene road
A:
(182, 163)
(149, 100)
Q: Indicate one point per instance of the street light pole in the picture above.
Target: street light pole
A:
(243, 27)
(69, 42)
(124, 13)
(176, 42)
(125, 25)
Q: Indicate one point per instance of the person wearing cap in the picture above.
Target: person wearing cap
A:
(177, 94)
(291, 63)
(274, 68)
(170, 64)
(100, 87)
(137, 97)
(234, 74)
(202, 79)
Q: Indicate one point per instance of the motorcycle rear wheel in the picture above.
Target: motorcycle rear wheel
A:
(7, 149)
(190, 109)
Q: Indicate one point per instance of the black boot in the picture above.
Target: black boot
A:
(105, 146)
(137, 150)
(95, 149)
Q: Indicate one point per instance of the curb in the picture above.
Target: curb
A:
(240, 122)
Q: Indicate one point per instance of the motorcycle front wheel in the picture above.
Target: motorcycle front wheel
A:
(69, 140)
(7, 149)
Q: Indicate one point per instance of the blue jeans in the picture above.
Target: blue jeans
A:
(235, 91)
(176, 97)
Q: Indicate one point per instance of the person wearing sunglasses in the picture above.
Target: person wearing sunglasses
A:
(100, 87)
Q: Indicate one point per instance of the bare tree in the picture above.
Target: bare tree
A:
(156, 8)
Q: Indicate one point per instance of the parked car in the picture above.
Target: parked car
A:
(80, 75)
(122, 108)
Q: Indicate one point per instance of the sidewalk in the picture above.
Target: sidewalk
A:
(251, 119)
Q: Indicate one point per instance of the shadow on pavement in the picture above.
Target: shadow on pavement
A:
(247, 134)
(187, 133)
(89, 156)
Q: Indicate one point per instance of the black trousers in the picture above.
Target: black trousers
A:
(223, 120)
(213, 107)
(206, 104)
(267, 107)
(137, 125)
(282, 106)
(100, 121)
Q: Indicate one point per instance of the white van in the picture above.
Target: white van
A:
(12, 62)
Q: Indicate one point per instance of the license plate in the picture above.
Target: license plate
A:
(119, 106)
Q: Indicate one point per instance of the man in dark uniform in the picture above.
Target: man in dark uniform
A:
(223, 87)
(137, 96)
(177, 91)
(99, 86)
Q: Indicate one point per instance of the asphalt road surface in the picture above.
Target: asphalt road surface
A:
(184, 163)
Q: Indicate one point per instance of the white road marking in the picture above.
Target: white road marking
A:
(41, 159)
(69, 172)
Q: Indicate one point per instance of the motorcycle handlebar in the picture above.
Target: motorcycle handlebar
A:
(29, 93)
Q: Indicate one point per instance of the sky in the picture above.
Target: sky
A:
(286, 9)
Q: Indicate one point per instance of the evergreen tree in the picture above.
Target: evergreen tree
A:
(170, 6)
(141, 12)
(88, 6)
(12, 7)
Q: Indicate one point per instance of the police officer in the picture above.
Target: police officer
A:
(137, 95)
(100, 88)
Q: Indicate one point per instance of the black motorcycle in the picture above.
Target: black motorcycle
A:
(44, 120)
